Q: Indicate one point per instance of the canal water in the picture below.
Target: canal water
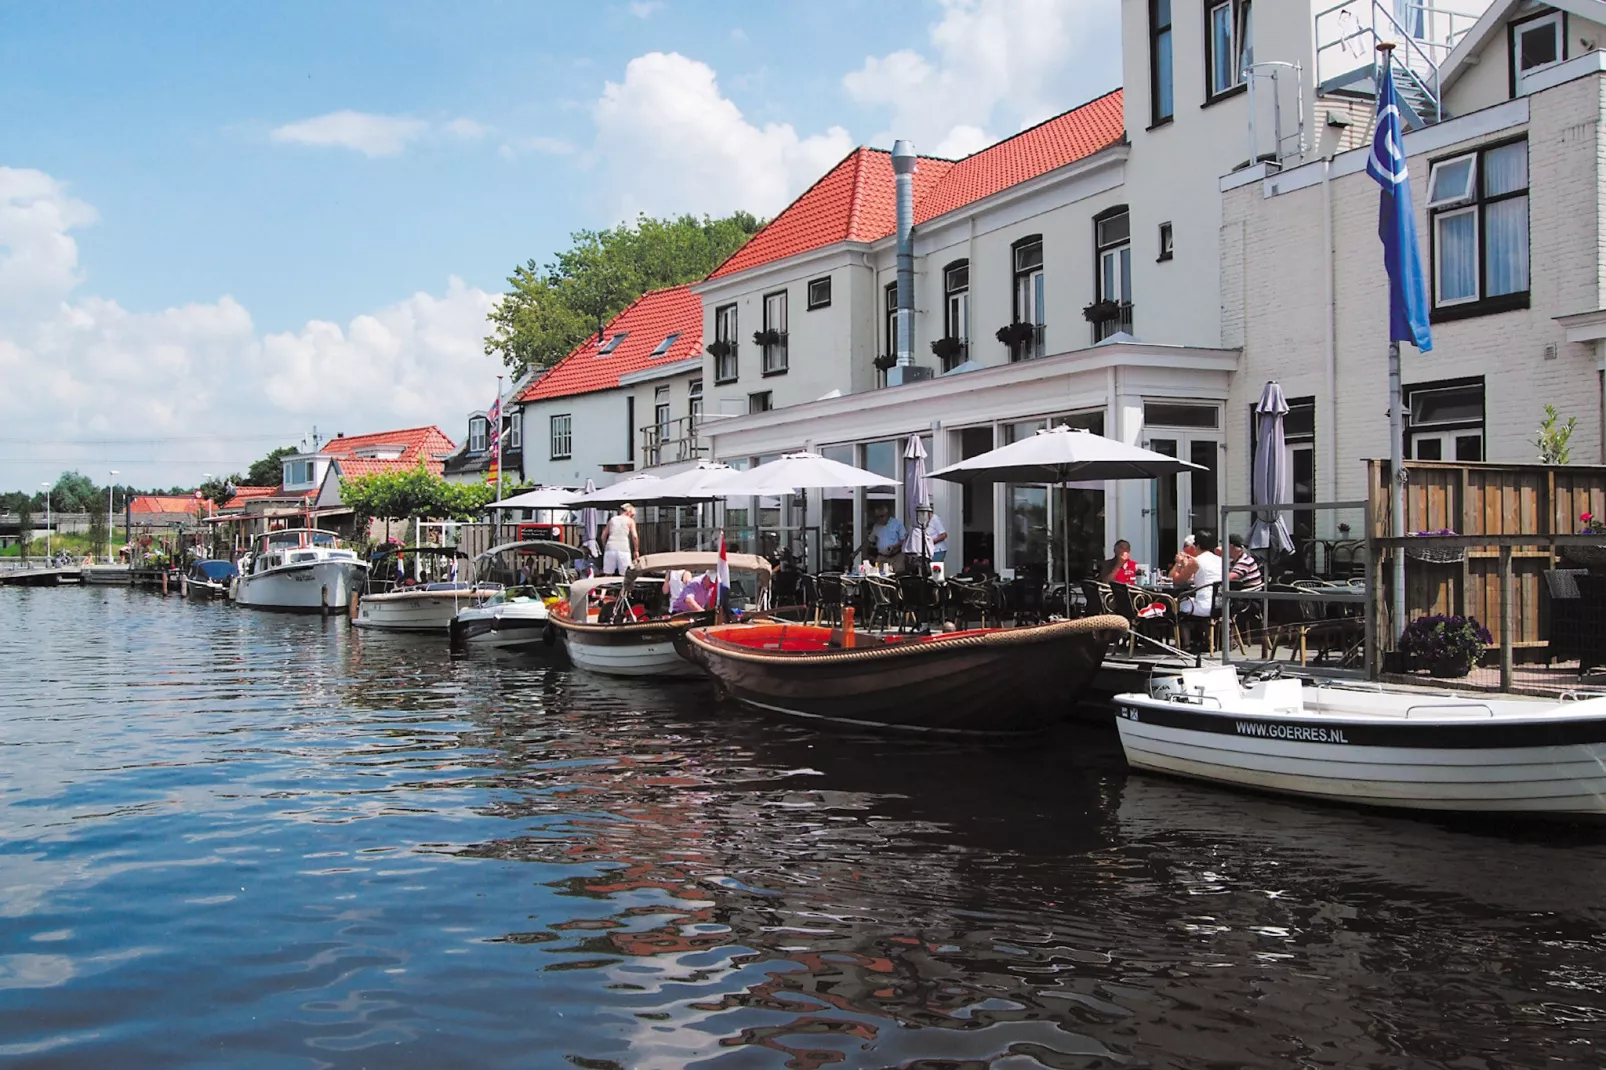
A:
(238, 839)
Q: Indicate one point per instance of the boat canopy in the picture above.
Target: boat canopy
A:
(298, 537)
(702, 561)
(561, 551)
(580, 595)
(436, 551)
(216, 571)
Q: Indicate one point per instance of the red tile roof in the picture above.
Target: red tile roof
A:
(857, 201)
(427, 443)
(352, 467)
(165, 503)
(650, 319)
(246, 493)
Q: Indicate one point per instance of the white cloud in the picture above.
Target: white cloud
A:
(1004, 64)
(371, 135)
(80, 367)
(467, 129)
(643, 9)
(669, 141)
(551, 146)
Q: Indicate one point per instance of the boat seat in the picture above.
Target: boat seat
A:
(1280, 695)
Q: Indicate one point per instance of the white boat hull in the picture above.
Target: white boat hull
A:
(415, 611)
(501, 626)
(654, 658)
(311, 586)
(1450, 757)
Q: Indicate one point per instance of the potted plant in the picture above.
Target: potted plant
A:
(1438, 555)
(1101, 310)
(1016, 334)
(1591, 557)
(1448, 646)
(886, 361)
(768, 337)
(947, 348)
(719, 348)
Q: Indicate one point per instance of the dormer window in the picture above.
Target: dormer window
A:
(300, 473)
(612, 343)
(663, 347)
(479, 434)
(1536, 45)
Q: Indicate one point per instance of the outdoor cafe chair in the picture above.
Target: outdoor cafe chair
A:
(880, 601)
(921, 601)
(1097, 597)
(1131, 602)
(974, 598)
(830, 597)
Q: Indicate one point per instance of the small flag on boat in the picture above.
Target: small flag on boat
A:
(454, 570)
(722, 573)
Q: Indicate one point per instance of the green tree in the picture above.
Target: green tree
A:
(24, 527)
(416, 492)
(1554, 437)
(75, 492)
(221, 491)
(97, 532)
(269, 471)
(549, 309)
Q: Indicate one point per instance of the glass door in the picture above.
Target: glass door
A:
(1188, 504)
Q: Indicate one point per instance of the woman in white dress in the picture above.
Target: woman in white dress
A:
(621, 544)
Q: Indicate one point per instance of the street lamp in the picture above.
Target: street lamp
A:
(47, 521)
(111, 514)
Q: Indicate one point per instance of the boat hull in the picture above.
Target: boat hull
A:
(637, 650)
(991, 682)
(1540, 765)
(107, 576)
(503, 627)
(197, 591)
(308, 587)
(415, 611)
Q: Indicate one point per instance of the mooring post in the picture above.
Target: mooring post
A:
(323, 600)
(1506, 618)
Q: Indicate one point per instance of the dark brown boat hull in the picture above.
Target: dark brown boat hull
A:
(1000, 683)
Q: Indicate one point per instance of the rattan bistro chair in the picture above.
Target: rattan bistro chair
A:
(828, 602)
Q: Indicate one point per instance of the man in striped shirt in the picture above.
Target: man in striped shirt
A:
(1245, 571)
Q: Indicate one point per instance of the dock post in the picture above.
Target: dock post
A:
(352, 610)
(1506, 617)
(323, 600)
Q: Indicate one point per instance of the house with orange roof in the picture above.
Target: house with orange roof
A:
(627, 398)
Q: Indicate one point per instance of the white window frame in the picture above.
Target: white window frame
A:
(515, 429)
(1439, 300)
(813, 301)
(1557, 23)
(1240, 15)
(726, 320)
(479, 434)
(775, 357)
(562, 432)
(1468, 193)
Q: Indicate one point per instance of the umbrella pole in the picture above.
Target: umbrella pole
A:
(1066, 547)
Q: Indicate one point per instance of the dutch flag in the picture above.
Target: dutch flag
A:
(722, 574)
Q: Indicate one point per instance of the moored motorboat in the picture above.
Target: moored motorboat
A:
(536, 575)
(1389, 746)
(209, 580)
(989, 681)
(418, 595)
(299, 569)
(621, 626)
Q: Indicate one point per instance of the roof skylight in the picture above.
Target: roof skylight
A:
(663, 347)
(613, 343)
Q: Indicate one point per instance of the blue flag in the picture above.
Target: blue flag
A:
(1396, 225)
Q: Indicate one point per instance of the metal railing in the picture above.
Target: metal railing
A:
(1104, 328)
(671, 442)
(1347, 36)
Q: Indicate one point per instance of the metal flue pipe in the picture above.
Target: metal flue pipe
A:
(903, 168)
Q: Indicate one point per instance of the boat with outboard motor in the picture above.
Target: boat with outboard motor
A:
(1395, 746)
(621, 625)
(985, 681)
(422, 598)
(301, 569)
(209, 580)
(535, 575)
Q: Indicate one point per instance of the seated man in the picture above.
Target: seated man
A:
(1245, 570)
(695, 596)
(1120, 568)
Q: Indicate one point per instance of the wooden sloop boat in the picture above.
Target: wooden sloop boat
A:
(604, 634)
(1370, 745)
(989, 681)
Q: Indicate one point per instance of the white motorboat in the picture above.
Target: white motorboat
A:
(620, 626)
(1405, 747)
(418, 589)
(209, 580)
(301, 569)
(534, 574)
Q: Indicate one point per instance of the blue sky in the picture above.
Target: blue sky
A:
(224, 217)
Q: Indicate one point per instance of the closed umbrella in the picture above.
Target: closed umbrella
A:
(799, 471)
(589, 519)
(1063, 455)
(916, 484)
(1273, 480)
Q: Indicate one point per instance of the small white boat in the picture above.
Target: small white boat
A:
(620, 626)
(300, 569)
(533, 575)
(1404, 747)
(418, 589)
(209, 580)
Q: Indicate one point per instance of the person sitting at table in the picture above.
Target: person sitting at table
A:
(928, 538)
(1120, 568)
(1245, 571)
(885, 544)
(1201, 573)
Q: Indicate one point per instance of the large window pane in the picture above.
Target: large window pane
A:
(1221, 51)
(1505, 170)
(1457, 245)
(1506, 230)
(1028, 529)
(1163, 103)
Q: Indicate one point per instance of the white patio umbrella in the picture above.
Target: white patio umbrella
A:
(702, 483)
(1272, 482)
(799, 471)
(1064, 455)
(539, 498)
(633, 489)
(589, 519)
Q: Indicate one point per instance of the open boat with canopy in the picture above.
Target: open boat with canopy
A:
(988, 681)
(534, 575)
(418, 589)
(621, 625)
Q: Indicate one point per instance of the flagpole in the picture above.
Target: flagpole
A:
(1396, 437)
(498, 438)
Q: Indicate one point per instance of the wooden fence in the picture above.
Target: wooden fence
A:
(1487, 499)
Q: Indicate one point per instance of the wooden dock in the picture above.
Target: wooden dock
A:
(40, 577)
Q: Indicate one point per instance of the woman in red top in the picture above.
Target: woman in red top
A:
(1121, 568)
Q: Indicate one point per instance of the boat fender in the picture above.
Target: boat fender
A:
(549, 634)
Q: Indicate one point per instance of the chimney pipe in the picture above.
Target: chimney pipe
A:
(903, 167)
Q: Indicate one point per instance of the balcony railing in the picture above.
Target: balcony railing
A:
(1030, 348)
(671, 442)
(1121, 321)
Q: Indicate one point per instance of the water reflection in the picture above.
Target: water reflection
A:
(346, 845)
